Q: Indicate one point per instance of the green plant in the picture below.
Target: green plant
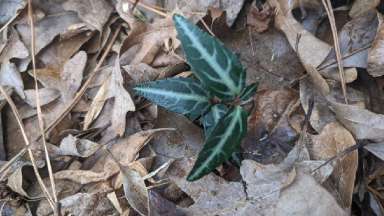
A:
(215, 97)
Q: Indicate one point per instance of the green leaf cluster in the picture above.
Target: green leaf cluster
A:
(215, 97)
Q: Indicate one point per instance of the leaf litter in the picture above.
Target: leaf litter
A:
(115, 153)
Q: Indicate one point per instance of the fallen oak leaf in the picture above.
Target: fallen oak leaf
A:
(47, 95)
(124, 151)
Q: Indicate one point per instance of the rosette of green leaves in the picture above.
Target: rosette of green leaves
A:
(221, 78)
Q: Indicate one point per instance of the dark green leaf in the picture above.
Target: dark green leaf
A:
(181, 95)
(216, 66)
(214, 115)
(248, 91)
(221, 143)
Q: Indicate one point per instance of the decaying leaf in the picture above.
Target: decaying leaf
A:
(8, 9)
(260, 19)
(232, 8)
(332, 140)
(377, 149)
(71, 145)
(94, 12)
(124, 150)
(10, 76)
(72, 75)
(362, 123)
(47, 95)
(360, 7)
(135, 190)
(376, 52)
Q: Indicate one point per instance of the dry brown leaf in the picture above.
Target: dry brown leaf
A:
(360, 7)
(14, 48)
(55, 55)
(332, 140)
(8, 9)
(97, 104)
(376, 52)
(123, 103)
(298, 37)
(355, 38)
(94, 12)
(260, 19)
(200, 7)
(10, 76)
(124, 150)
(47, 95)
(362, 123)
(71, 145)
(47, 29)
(83, 204)
(72, 75)
(135, 190)
(115, 202)
(15, 182)
(377, 149)
(141, 72)
(158, 206)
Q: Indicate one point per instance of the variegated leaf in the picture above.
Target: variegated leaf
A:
(248, 91)
(214, 115)
(221, 143)
(216, 66)
(181, 95)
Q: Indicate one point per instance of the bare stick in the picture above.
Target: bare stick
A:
(38, 103)
(24, 135)
(328, 8)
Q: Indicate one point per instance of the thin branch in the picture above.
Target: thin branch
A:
(27, 143)
(38, 102)
(328, 8)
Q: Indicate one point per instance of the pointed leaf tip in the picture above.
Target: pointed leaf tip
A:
(221, 143)
(219, 70)
(180, 95)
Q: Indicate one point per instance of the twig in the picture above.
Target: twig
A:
(38, 103)
(328, 8)
(149, 7)
(24, 135)
(83, 89)
(9, 22)
(207, 27)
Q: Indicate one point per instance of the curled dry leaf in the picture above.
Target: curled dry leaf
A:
(332, 140)
(15, 181)
(97, 104)
(376, 52)
(71, 145)
(135, 190)
(47, 95)
(94, 12)
(124, 150)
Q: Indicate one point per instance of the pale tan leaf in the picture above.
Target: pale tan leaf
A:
(360, 7)
(15, 182)
(123, 102)
(332, 140)
(94, 12)
(362, 123)
(135, 190)
(47, 95)
(71, 145)
(97, 104)
(10, 76)
(72, 75)
(377, 149)
(115, 202)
